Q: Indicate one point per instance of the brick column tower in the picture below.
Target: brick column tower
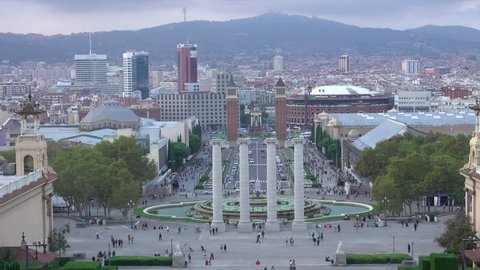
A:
(232, 112)
(280, 112)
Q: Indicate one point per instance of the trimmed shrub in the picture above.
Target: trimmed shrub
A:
(376, 258)
(61, 261)
(443, 261)
(82, 265)
(424, 263)
(140, 261)
(110, 268)
(402, 267)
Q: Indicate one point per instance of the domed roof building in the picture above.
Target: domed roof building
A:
(328, 99)
(110, 115)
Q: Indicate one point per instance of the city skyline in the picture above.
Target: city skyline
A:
(64, 17)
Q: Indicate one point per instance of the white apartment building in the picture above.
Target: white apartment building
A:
(220, 81)
(90, 69)
(278, 63)
(410, 66)
(413, 100)
(208, 107)
(344, 63)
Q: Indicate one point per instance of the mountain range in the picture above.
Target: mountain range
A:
(296, 36)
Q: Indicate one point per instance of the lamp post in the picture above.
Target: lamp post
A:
(171, 246)
(131, 205)
(36, 245)
(464, 242)
(385, 201)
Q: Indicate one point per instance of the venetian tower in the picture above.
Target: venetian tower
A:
(280, 112)
(471, 172)
(232, 112)
(31, 146)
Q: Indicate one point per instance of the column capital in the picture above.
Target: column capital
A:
(270, 140)
(298, 140)
(216, 142)
(243, 141)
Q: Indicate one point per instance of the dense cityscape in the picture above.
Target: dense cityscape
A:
(145, 157)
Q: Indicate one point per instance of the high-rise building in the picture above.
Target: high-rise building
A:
(220, 81)
(135, 75)
(187, 65)
(410, 66)
(344, 63)
(281, 112)
(232, 112)
(278, 63)
(90, 69)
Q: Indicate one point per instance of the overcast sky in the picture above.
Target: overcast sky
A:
(72, 16)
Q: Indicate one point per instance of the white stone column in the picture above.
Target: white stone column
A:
(217, 197)
(298, 189)
(244, 224)
(272, 224)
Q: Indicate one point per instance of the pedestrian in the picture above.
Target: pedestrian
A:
(408, 248)
(221, 247)
(189, 258)
(263, 234)
(415, 226)
(286, 240)
(225, 247)
(159, 236)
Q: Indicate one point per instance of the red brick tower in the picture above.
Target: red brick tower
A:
(280, 112)
(232, 112)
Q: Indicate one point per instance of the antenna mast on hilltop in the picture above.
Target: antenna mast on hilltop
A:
(90, 41)
(184, 9)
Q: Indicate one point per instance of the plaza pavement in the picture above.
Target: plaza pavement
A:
(242, 251)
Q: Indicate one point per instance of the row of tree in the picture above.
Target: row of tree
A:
(328, 146)
(110, 172)
(407, 168)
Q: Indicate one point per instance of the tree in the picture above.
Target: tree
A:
(194, 143)
(180, 152)
(385, 187)
(458, 228)
(9, 155)
(57, 240)
(72, 177)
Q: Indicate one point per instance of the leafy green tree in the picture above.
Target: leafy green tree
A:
(9, 155)
(57, 240)
(385, 187)
(72, 182)
(458, 228)
(194, 143)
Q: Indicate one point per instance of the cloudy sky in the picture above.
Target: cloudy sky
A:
(71, 16)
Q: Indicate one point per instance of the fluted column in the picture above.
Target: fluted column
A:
(217, 200)
(244, 224)
(298, 189)
(272, 223)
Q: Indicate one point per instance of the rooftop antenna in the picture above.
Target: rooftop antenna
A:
(184, 9)
(90, 41)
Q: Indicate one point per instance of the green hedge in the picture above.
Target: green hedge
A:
(376, 258)
(82, 265)
(407, 267)
(440, 261)
(110, 268)
(424, 263)
(140, 261)
(61, 261)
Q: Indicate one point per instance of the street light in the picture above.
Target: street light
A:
(36, 245)
(464, 241)
(131, 205)
(385, 201)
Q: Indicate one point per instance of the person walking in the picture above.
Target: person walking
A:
(159, 236)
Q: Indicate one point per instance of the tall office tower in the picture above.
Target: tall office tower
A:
(232, 112)
(278, 63)
(281, 112)
(344, 63)
(410, 66)
(135, 75)
(187, 65)
(90, 69)
(220, 81)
